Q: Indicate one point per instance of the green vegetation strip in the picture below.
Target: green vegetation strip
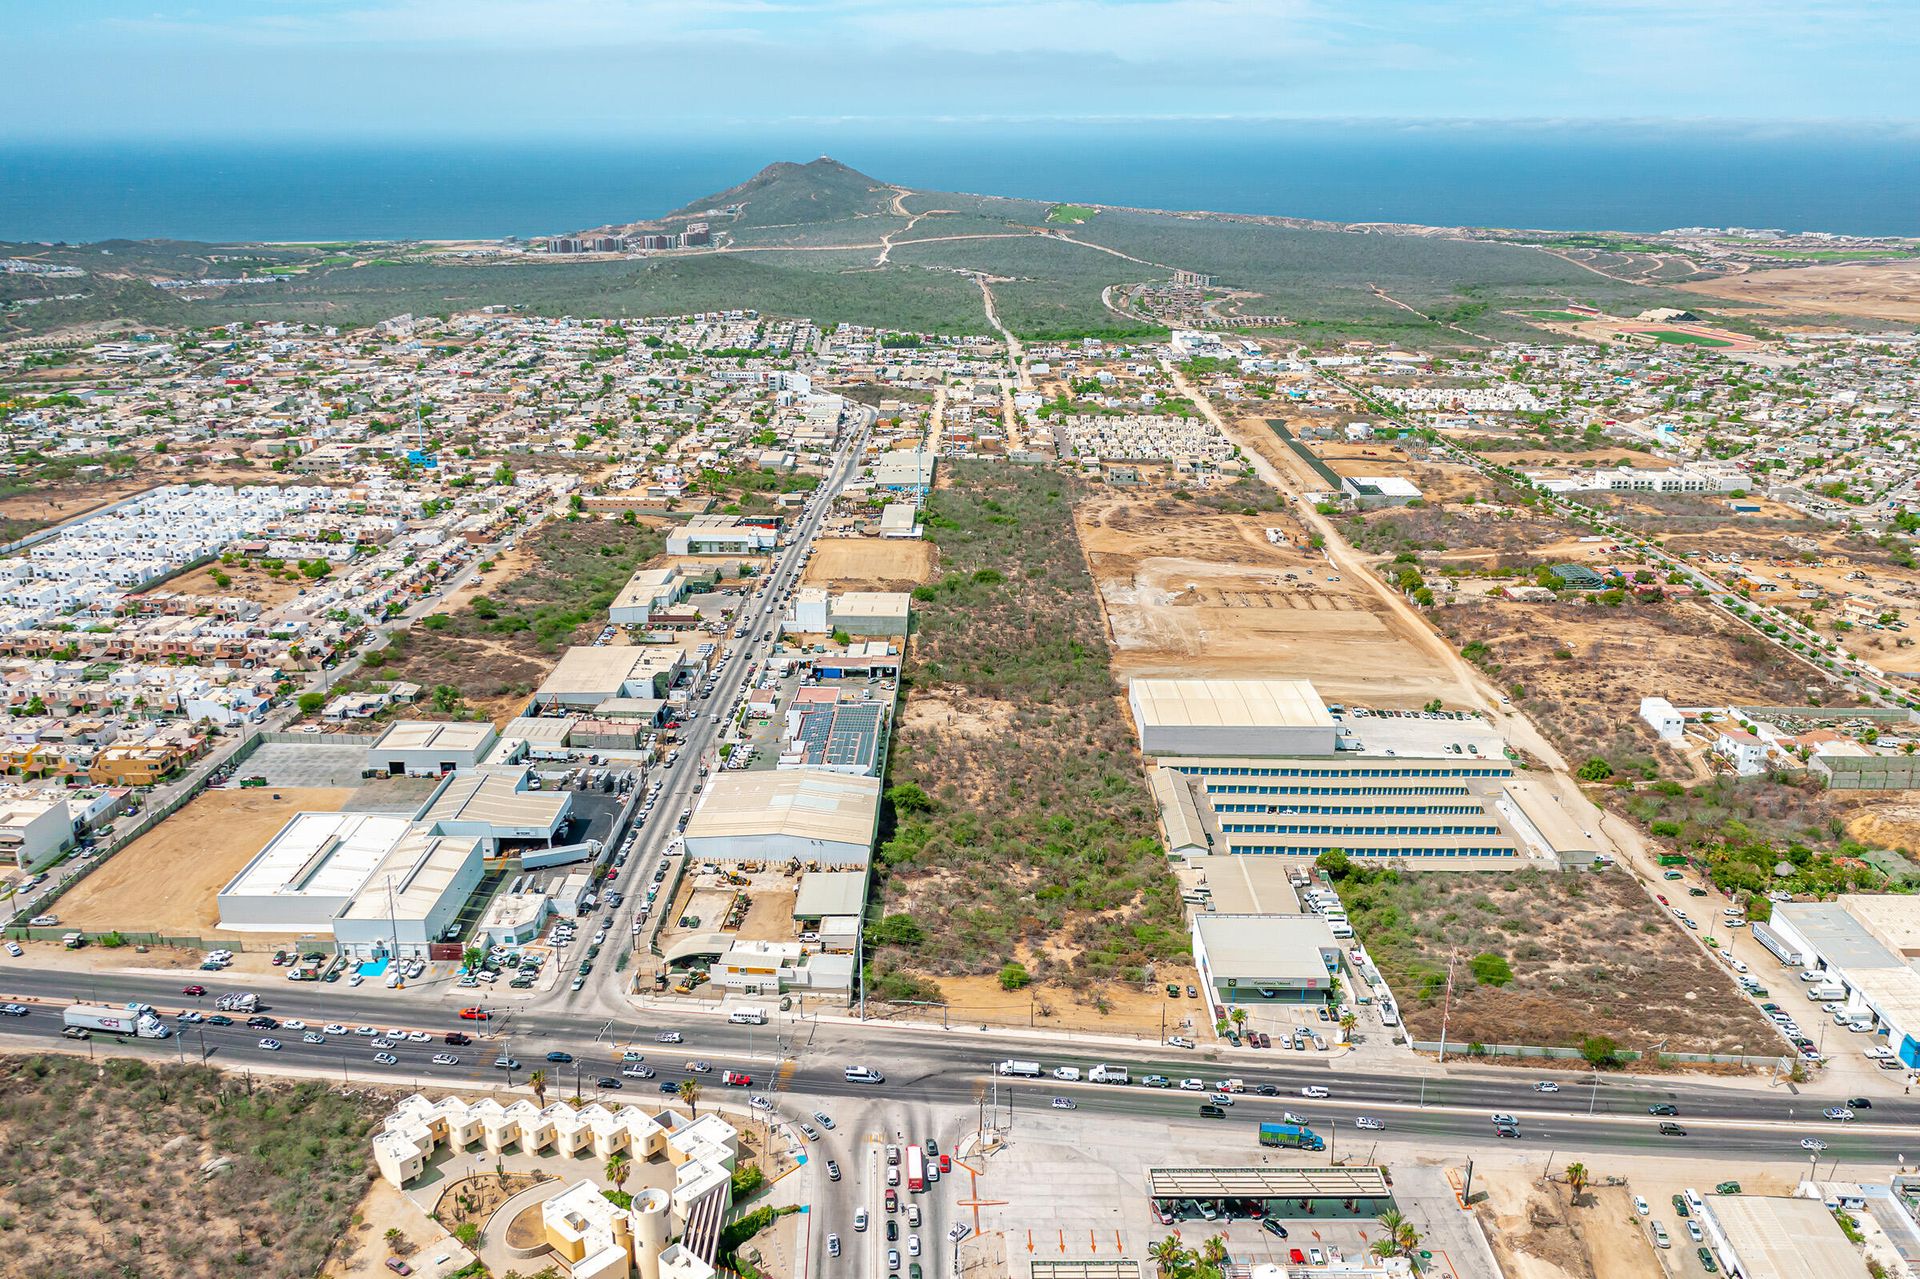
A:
(1072, 214)
(1677, 338)
(1029, 823)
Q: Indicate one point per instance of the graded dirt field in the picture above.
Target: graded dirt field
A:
(870, 563)
(1884, 290)
(1204, 593)
(166, 881)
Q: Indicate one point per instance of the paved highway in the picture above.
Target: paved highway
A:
(952, 1067)
(752, 639)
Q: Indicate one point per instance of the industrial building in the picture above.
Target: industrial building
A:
(1772, 1237)
(1266, 767)
(309, 871)
(647, 592)
(497, 808)
(1254, 959)
(721, 535)
(862, 613)
(1230, 717)
(1869, 946)
(424, 748)
(791, 814)
(588, 675)
(410, 898)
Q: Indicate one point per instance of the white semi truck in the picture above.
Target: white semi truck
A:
(116, 1021)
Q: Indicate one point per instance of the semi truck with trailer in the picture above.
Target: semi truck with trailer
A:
(115, 1021)
(1295, 1136)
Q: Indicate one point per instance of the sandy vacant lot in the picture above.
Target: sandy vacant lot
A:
(870, 563)
(1887, 290)
(1204, 593)
(166, 881)
(246, 580)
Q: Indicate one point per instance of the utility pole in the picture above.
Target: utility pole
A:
(1446, 1007)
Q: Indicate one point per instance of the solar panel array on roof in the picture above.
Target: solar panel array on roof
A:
(812, 732)
(854, 739)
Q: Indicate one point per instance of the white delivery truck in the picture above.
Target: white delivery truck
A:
(115, 1021)
(1022, 1069)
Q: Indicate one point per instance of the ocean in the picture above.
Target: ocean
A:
(1565, 177)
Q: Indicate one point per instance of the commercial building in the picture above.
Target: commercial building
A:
(411, 898)
(309, 871)
(908, 471)
(36, 827)
(871, 613)
(1231, 717)
(809, 815)
(497, 808)
(1255, 959)
(1372, 491)
(647, 592)
(721, 535)
(424, 748)
(1771, 1237)
(588, 675)
(1868, 945)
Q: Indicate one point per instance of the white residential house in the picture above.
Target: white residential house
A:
(1663, 718)
(1747, 753)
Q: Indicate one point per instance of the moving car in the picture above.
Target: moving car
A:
(1369, 1125)
(385, 1059)
(445, 1059)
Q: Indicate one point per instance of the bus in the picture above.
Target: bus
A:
(916, 1169)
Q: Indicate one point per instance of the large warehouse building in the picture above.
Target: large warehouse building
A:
(1231, 717)
(309, 871)
(1868, 944)
(411, 897)
(425, 748)
(788, 814)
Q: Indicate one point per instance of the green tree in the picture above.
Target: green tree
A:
(1014, 976)
(1599, 1050)
(1595, 770)
(472, 957)
(538, 1082)
(1335, 862)
(310, 703)
(689, 1090)
(1171, 1258)
(445, 698)
(1577, 1179)
(909, 797)
(618, 1166)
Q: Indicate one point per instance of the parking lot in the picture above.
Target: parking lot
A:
(1052, 1200)
(302, 764)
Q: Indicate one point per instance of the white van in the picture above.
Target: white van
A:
(748, 1017)
(864, 1075)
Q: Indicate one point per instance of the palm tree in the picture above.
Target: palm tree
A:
(1577, 1179)
(689, 1090)
(1239, 1019)
(1170, 1257)
(538, 1082)
(1392, 1221)
(617, 1168)
(1214, 1250)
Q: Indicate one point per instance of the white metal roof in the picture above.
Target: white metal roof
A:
(806, 803)
(319, 855)
(1230, 703)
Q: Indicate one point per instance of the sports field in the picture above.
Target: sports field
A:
(166, 881)
(1679, 337)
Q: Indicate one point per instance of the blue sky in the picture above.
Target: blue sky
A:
(422, 68)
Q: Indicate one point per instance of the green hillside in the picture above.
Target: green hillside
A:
(783, 194)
